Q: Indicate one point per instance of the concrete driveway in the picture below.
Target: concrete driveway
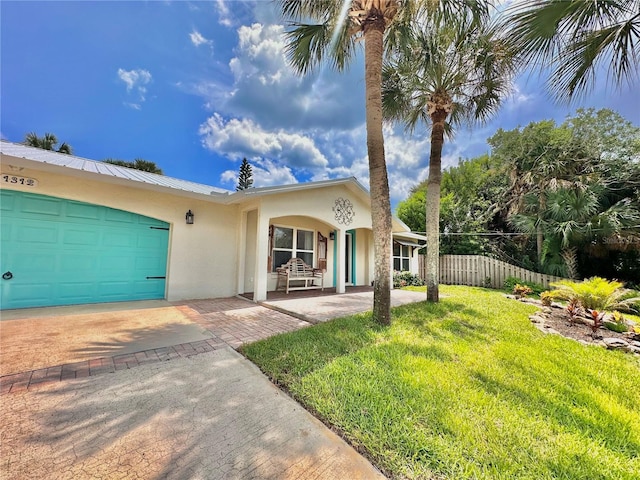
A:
(208, 413)
(209, 416)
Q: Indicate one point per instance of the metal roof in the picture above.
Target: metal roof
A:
(102, 168)
(153, 180)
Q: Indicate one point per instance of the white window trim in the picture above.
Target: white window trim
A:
(295, 229)
(401, 257)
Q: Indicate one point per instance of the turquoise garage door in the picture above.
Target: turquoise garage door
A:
(62, 252)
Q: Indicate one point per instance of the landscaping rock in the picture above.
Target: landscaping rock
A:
(616, 344)
(536, 318)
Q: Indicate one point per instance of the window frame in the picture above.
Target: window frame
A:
(294, 244)
(402, 258)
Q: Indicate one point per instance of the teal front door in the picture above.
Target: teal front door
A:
(63, 252)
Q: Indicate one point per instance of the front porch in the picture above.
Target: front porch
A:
(315, 306)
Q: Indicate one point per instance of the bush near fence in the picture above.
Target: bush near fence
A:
(481, 271)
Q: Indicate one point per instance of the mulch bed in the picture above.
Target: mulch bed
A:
(556, 320)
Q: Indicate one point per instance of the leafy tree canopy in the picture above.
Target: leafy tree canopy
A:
(555, 196)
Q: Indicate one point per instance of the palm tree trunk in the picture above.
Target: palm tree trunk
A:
(539, 243)
(433, 205)
(378, 181)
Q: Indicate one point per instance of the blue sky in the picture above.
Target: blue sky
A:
(197, 86)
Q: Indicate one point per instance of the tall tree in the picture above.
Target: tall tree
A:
(575, 188)
(137, 164)
(245, 176)
(47, 142)
(575, 38)
(456, 70)
(338, 24)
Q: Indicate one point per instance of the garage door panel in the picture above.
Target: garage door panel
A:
(118, 239)
(115, 289)
(83, 210)
(148, 264)
(87, 254)
(120, 216)
(76, 292)
(40, 205)
(7, 200)
(79, 265)
(153, 240)
(150, 287)
(81, 237)
(38, 292)
(151, 222)
(43, 263)
(6, 232)
(36, 234)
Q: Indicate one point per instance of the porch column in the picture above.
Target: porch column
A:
(391, 257)
(341, 240)
(262, 246)
(242, 251)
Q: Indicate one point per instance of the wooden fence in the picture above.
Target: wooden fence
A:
(480, 271)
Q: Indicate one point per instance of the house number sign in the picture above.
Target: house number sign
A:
(29, 182)
(343, 209)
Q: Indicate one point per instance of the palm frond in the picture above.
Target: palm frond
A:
(575, 37)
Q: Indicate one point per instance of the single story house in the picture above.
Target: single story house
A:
(79, 231)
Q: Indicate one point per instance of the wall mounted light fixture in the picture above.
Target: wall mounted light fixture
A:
(332, 235)
(189, 217)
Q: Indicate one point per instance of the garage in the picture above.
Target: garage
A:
(63, 252)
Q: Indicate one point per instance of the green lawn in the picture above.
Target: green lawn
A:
(465, 389)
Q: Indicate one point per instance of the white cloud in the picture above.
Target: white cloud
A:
(224, 14)
(265, 174)
(238, 138)
(135, 80)
(197, 39)
(266, 89)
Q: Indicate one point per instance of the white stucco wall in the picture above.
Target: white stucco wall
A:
(202, 257)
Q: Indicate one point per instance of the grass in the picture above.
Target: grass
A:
(465, 389)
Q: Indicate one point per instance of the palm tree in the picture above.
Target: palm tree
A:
(47, 142)
(137, 164)
(339, 24)
(573, 218)
(455, 71)
(575, 38)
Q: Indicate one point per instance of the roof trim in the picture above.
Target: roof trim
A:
(244, 195)
(108, 172)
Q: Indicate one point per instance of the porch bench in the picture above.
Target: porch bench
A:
(296, 270)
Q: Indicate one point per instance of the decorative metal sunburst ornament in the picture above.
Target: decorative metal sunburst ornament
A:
(344, 211)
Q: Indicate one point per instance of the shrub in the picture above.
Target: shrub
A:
(597, 318)
(406, 279)
(521, 291)
(595, 294)
(574, 310)
(511, 282)
(616, 323)
(546, 298)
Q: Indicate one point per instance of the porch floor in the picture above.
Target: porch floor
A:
(316, 306)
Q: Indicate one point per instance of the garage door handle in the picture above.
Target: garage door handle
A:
(7, 276)
(154, 278)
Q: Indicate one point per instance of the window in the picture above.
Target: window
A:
(401, 256)
(291, 243)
